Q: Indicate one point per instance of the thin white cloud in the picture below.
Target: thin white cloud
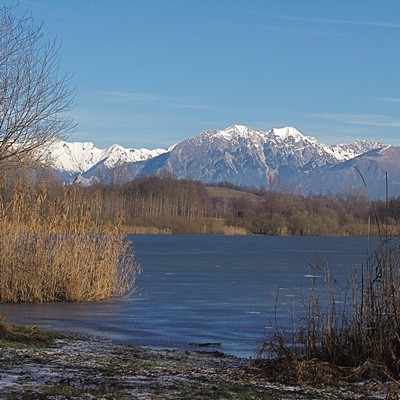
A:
(132, 97)
(360, 119)
(301, 31)
(193, 106)
(390, 100)
(378, 24)
(151, 98)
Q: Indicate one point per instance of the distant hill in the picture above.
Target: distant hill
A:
(364, 174)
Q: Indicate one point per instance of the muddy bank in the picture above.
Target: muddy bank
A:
(79, 369)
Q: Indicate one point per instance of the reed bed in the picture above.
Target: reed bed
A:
(57, 248)
(183, 226)
(348, 331)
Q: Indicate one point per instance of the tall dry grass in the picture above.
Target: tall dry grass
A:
(354, 326)
(57, 248)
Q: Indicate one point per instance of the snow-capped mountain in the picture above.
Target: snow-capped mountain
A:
(76, 158)
(278, 158)
(345, 152)
(244, 156)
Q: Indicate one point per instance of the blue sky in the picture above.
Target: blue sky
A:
(151, 73)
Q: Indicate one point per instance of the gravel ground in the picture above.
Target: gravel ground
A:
(80, 369)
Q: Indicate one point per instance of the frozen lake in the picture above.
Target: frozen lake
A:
(198, 289)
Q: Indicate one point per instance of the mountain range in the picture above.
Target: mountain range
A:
(281, 159)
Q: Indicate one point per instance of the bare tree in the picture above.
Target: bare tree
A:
(34, 97)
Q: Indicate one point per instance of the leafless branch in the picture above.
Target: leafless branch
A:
(34, 96)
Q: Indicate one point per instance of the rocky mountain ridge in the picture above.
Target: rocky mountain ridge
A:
(279, 158)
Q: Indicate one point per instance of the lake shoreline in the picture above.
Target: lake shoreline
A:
(72, 368)
(202, 289)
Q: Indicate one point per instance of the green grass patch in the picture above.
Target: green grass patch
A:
(17, 335)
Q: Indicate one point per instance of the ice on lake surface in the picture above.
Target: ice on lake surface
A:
(231, 290)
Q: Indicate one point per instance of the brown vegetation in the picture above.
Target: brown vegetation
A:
(348, 332)
(166, 205)
(54, 247)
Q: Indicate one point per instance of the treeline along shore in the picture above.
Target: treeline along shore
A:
(164, 204)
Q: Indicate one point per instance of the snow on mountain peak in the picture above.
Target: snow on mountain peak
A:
(235, 153)
(230, 132)
(116, 155)
(72, 157)
(78, 157)
(238, 128)
(344, 152)
(286, 132)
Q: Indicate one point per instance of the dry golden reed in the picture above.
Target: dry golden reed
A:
(56, 248)
(352, 326)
